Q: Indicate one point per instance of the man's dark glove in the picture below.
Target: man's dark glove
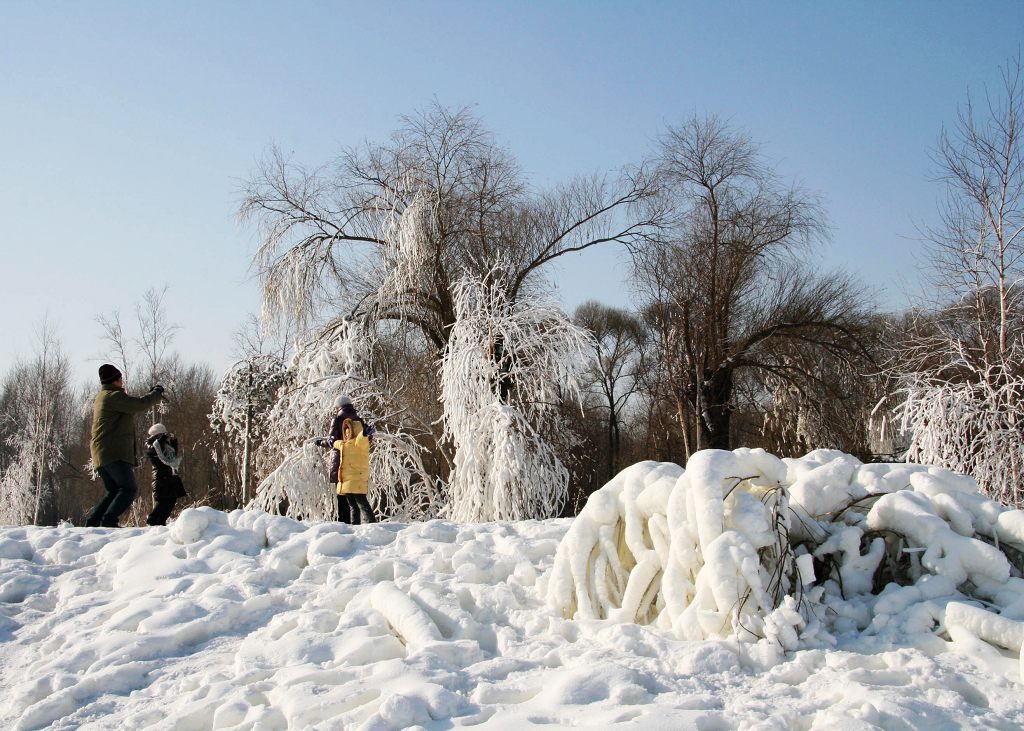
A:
(158, 388)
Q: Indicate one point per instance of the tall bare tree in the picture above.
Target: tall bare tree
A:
(960, 368)
(148, 351)
(615, 373)
(726, 290)
(155, 335)
(118, 343)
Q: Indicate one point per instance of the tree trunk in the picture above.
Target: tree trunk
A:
(717, 413)
(613, 444)
(246, 456)
(502, 360)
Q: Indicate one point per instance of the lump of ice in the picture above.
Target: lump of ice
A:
(11, 548)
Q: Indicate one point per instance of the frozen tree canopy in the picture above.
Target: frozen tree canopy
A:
(500, 375)
(790, 553)
(247, 391)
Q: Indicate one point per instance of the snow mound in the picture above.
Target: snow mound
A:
(246, 620)
(789, 553)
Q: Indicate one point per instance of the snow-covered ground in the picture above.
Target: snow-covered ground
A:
(246, 620)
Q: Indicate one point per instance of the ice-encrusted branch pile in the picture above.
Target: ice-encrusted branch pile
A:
(792, 553)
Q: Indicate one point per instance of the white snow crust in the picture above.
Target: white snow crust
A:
(629, 616)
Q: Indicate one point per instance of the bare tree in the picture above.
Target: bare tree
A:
(156, 334)
(959, 367)
(726, 290)
(615, 373)
(118, 344)
(254, 338)
(979, 247)
(149, 348)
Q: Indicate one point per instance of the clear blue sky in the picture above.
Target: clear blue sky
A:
(125, 128)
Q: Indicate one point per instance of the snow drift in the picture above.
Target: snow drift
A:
(246, 620)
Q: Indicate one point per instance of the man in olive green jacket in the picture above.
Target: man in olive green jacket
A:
(113, 444)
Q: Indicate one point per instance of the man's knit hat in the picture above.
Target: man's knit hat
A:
(342, 401)
(109, 373)
(157, 429)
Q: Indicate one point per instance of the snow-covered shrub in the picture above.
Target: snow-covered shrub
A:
(506, 366)
(974, 426)
(791, 552)
(248, 390)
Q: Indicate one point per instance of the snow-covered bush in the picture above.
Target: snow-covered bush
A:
(506, 366)
(248, 390)
(785, 553)
(974, 426)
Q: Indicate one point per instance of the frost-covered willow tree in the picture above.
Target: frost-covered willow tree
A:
(960, 364)
(337, 362)
(507, 366)
(388, 228)
(386, 231)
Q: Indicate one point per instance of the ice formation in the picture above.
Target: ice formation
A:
(787, 553)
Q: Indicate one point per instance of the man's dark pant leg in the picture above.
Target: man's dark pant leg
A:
(121, 476)
(96, 514)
